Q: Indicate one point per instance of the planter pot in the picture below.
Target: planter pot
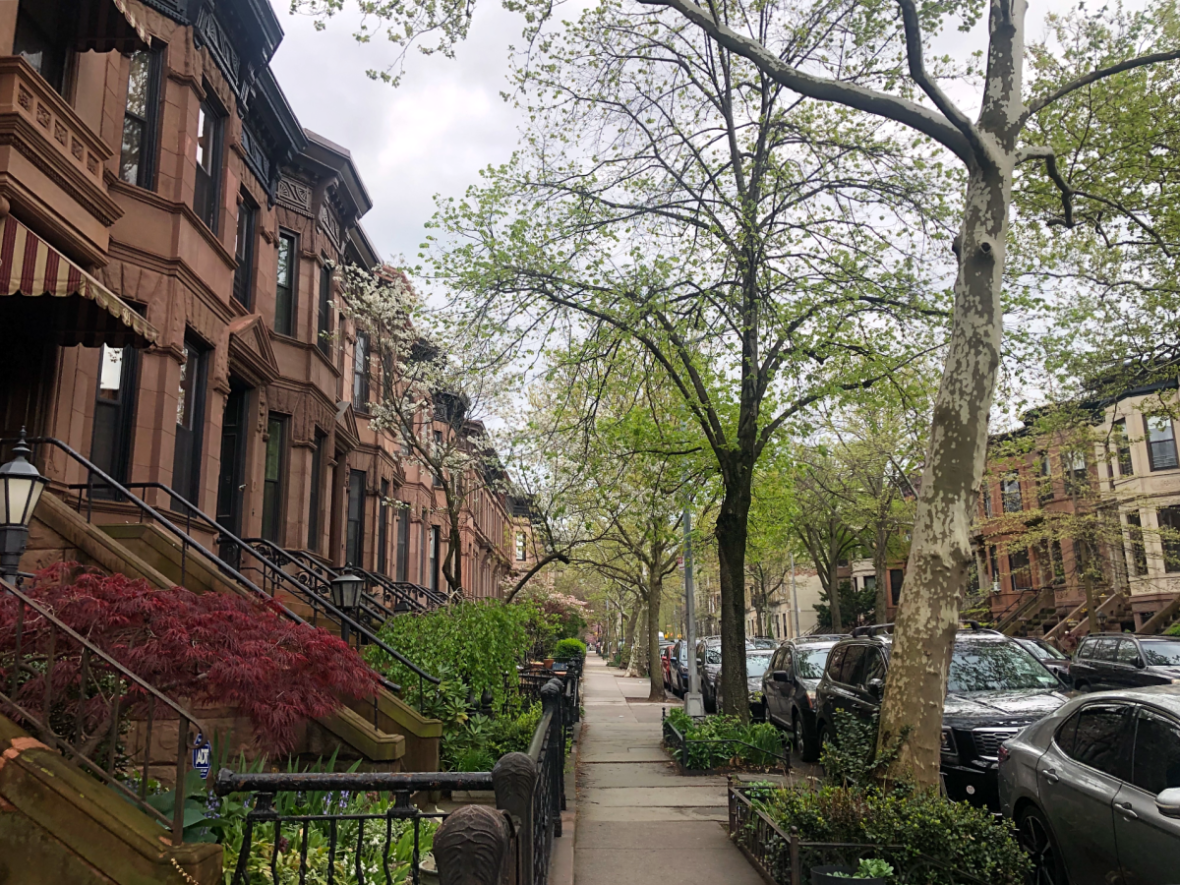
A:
(428, 870)
(823, 876)
(549, 662)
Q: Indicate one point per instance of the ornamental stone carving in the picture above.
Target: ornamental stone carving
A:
(470, 846)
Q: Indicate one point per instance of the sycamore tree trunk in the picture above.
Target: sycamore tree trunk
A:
(941, 553)
(731, 533)
(629, 632)
(655, 666)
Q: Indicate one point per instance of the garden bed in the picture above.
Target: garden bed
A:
(723, 744)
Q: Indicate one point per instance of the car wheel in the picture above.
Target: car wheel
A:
(1035, 837)
(823, 737)
(808, 750)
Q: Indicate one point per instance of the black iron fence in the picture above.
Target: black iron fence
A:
(295, 829)
(786, 859)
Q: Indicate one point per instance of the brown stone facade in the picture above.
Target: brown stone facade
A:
(175, 174)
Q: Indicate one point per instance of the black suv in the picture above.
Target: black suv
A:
(1125, 660)
(788, 688)
(994, 689)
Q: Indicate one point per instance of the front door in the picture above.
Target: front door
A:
(27, 369)
(354, 544)
(230, 484)
(190, 424)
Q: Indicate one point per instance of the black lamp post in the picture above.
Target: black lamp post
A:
(20, 490)
(346, 596)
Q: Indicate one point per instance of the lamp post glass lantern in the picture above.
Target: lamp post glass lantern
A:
(346, 596)
(20, 490)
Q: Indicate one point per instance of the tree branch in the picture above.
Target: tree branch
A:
(1044, 152)
(880, 104)
(1043, 101)
(913, 46)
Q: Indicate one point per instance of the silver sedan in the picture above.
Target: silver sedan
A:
(1094, 789)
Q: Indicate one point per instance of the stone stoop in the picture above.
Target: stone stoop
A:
(59, 825)
(404, 739)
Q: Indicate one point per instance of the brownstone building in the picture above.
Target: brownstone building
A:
(157, 187)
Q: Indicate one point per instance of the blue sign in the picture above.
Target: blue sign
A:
(201, 756)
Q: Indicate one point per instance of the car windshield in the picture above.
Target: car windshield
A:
(811, 662)
(1160, 653)
(995, 666)
(756, 664)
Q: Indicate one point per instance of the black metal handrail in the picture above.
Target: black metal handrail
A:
(187, 540)
(34, 661)
(269, 569)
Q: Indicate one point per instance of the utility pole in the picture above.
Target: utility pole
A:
(794, 596)
(693, 704)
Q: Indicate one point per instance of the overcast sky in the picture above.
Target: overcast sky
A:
(446, 121)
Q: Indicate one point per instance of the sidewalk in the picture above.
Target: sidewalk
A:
(638, 819)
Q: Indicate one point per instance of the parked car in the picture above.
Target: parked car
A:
(788, 688)
(1094, 789)
(708, 663)
(757, 660)
(1125, 660)
(678, 671)
(763, 641)
(994, 689)
(1056, 661)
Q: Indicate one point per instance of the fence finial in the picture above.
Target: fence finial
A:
(470, 846)
(515, 780)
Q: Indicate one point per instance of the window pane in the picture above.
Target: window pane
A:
(995, 666)
(132, 150)
(1169, 523)
(1102, 740)
(182, 411)
(284, 293)
(138, 84)
(1127, 652)
(1161, 442)
(1157, 753)
(1161, 652)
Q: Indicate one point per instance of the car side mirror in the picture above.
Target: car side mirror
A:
(876, 687)
(1168, 802)
(1137, 662)
(780, 676)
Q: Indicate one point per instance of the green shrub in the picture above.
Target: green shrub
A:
(480, 741)
(473, 645)
(963, 837)
(568, 649)
(755, 744)
(1174, 630)
(853, 758)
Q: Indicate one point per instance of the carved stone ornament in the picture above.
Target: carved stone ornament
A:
(514, 777)
(294, 195)
(330, 225)
(470, 846)
(211, 33)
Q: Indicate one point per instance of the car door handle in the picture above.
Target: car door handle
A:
(1124, 808)
(1050, 775)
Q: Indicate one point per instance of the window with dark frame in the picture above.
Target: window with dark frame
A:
(42, 37)
(1077, 473)
(1135, 538)
(354, 542)
(114, 413)
(244, 250)
(520, 547)
(1010, 493)
(896, 579)
(1045, 480)
(383, 529)
(402, 563)
(360, 372)
(1019, 569)
(1169, 523)
(987, 501)
(190, 421)
(1122, 447)
(137, 157)
(207, 194)
(285, 284)
(993, 564)
(434, 556)
(313, 495)
(323, 339)
(1161, 442)
(274, 478)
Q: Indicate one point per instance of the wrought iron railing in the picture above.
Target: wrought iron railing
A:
(784, 858)
(276, 839)
(80, 701)
(97, 477)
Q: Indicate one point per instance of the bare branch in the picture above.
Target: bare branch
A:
(1044, 152)
(881, 104)
(1045, 100)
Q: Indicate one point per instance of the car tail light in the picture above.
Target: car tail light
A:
(1002, 754)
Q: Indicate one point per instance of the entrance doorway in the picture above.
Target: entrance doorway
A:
(230, 480)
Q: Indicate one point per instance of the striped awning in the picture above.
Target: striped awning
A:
(106, 25)
(89, 313)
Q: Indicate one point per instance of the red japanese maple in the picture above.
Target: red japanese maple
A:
(202, 648)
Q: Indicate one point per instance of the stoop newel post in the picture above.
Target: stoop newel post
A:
(551, 699)
(471, 845)
(514, 779)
